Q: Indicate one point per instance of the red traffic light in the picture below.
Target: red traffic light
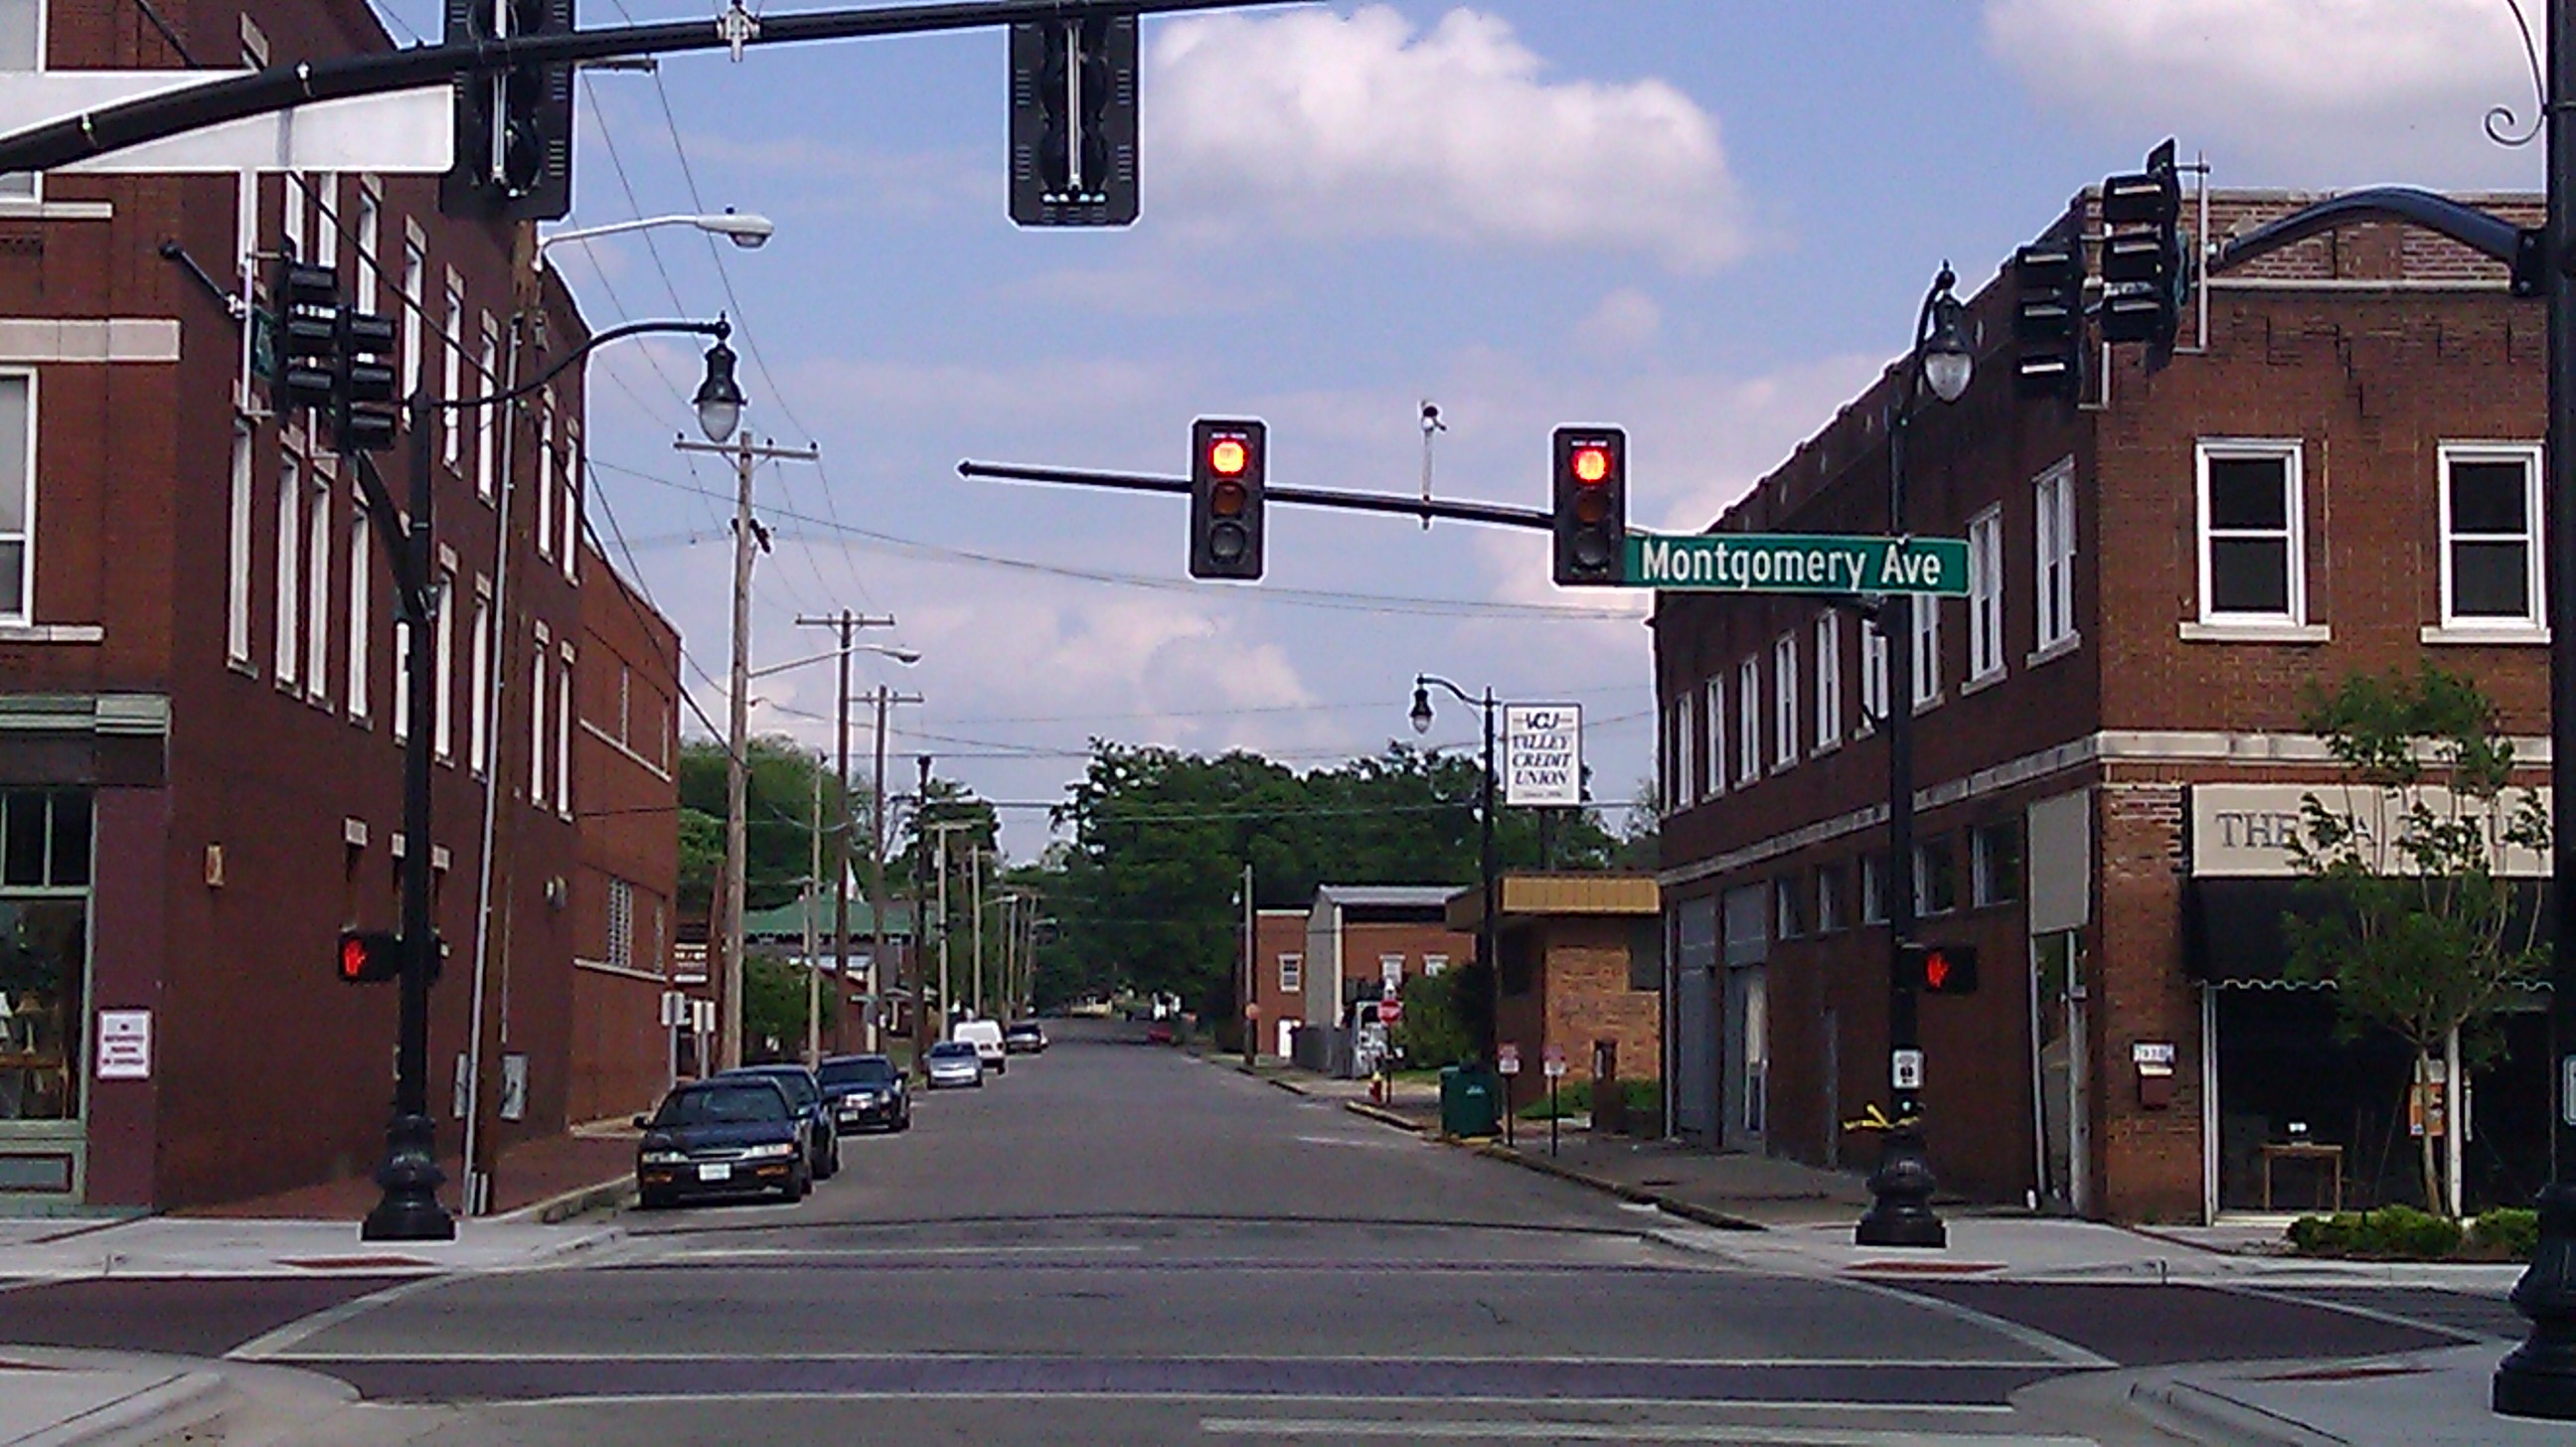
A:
(1591, 465)
(1229, 457)
(369, 957)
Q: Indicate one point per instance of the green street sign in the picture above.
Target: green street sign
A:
(263, 344)
(1797, 563)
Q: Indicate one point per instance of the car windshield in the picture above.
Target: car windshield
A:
(875, 1070)
(722, 1105)
(799, 1087)
(1024, 1027)
(952, 1050)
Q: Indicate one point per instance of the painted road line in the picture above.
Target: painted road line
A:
(1776, 1435)
(2055, 1348)
(282, 1341)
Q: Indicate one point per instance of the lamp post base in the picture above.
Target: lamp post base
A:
(411, 1177)
(2539, 1378)
(1902, 1213)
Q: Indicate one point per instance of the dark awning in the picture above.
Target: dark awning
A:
(2232, 927)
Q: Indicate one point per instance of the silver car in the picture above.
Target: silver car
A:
(955, 1062)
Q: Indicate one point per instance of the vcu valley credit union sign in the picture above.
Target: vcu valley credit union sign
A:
(1543, 755)
(1798, 563)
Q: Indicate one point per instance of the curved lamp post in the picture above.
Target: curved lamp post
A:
(743, 229)
(1901, 1211)
(410, 1174)
(1485, 953)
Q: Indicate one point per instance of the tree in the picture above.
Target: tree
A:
(773, 1008)
(778, 808)
(2422, 934)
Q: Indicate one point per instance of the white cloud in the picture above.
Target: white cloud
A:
(2305, 91)
(1625, 320)
(1362, 126)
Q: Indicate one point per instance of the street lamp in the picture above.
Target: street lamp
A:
(743, 229)
(1900, 1213)
(719, 398)
(1485, 952)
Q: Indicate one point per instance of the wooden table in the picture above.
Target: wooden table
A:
(2331, 1156)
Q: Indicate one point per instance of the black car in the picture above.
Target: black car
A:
(864, 1091)
(1024, 1036)
(805, 1093)
(732, 1136)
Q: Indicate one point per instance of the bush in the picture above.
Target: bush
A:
(2507, 1234)
(1433, 1032)
(2392, 1232)
(1574, 1098)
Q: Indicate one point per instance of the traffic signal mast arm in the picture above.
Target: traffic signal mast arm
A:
(2478, 230)
(283, 87)
(1493, 513)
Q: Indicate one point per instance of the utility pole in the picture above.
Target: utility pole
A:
(813, 968)
(876, 862)
(848, 624)
(747, 457)
(943, 932)
(975, 902)
(1251, 1011)
(920, 921)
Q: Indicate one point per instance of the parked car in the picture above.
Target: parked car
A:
(865, 1091)
(805, 1093)
(1024, 1036)
(986, 1037)
(733, 1136)
(955, 1062)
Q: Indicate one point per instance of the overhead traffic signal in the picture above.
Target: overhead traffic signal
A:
(1591, 508)
(308, 353)
(2048, 317)
(1939, 969)
(370, 957)
(1073, 121)
(1229, 465)
(514, 129)
(2146, 266)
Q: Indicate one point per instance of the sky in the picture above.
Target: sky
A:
(1707, 221)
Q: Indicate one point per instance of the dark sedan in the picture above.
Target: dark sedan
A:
(805, 1094)
(723, 1137)
(865, 1091)
(1024, 1037)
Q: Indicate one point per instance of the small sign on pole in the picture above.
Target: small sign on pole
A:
(1507, 1058)
(1553, 1061)
(1543, 755)
(1905, 1069)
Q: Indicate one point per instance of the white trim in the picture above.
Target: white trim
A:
(2053, 541)
(1986, 603)
(21, 208)
(1982, 683)
(2534, 537)
(1713, 736)
(595, 731)
(1829, 681)
(623, 972)
(1748, 720)
(52, 633)
(2253, 632)
(72, 341)
(2071, 643)
(2491, 637)
(2291, 453)
(1786, 743)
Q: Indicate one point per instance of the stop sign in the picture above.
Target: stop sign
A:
(1390, 1012)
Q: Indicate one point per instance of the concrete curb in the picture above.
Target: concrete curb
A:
(1290, 1086)
(2198, 1412)
(1384, 1116)
(618, 1190)
(1670, 1205)
(150, 1415)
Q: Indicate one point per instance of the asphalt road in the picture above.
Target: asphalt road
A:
(1117, 1244)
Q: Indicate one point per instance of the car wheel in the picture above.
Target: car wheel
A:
(800, 1183)
(903, 1122)
(653, 1201)
(835, 1158)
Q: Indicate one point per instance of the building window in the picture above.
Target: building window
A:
(1433, 965)
(1788, 907)
(2491, 538)
(1873, 674)
(290, 548)
(291, 228)
(563, 735)
(22, 47)
(317, 590)
(1292, 974)
(2053, 588)
(1714, 783)
(414, 282)
(1686, 735)
(442, 709)
(1829, 679)
(1833, 899)
(2252, 549)
(1748, 720)
(236, 586)
(1784, 701)
(479, 707)
(537, 691)
(1873, 889)
(1986, 596)
(451, 447)
(371, 225)
(571, 499)
(621, 925)
(1668, 741)
(1994, 863)
(401, 661)
(487, 422)
(326, 219)
(1927, 650)
(546, 476)
(45, 862)
(1936, 877)
(361, 610)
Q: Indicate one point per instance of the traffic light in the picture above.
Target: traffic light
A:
(1229, 464)
(1073, 121)
(2048, 317)
(2146, 271)
(363, 400)
(514, 129)
(308, 314)
(1591, 505)
(370, 957)
(1940, 969)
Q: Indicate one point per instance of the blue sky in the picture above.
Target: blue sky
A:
(1709, 221)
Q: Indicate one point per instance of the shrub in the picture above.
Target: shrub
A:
(1574, 1098)
(2506, 1234)
(2397, 1232)
(1433, 1031)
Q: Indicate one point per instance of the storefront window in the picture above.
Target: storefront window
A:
(44, 957)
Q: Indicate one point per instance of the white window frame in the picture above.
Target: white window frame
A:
(537, 772)
(546, 473)
(288, 653)
(237, 586)
(442, 705)
(1927, 651)
(361, 608)
(2534, 538)
(1784, 701)
(2292, 454)
(1686, 730)
(1713, 702)
(1434, 966)
(452, 447)
(1292, 974)
(620, 948)
(1986, 597)
(371, 227)
(479, 708)
(401, 664)
(1873, 677)
(292, 231)
(571, 498)
(415, 317)
(320, 543)
(2053, 535)
(487, 424)
(1982, 871)
(1829, 680)
(326, 218)
(24, 188)
(1668, 747)
(1748, 720)
(563, 735)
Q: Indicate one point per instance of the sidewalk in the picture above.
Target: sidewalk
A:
(597, 1159)
(55, 1398)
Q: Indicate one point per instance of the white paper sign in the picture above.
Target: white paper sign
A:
(1543, 755)
(125, 1045)
(1905, 1069)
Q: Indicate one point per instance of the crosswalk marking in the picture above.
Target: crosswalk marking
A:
(1780, 1435)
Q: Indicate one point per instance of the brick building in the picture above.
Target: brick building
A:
(2341, 475)
(1278, 979)
(1582, 968)
(1361, 940)
(200, 736)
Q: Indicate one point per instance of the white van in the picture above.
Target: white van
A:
(986, 1037)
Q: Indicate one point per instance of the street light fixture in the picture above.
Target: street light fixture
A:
(719, 398)
(1485, 945)
(1900, 1213)
(743, 229)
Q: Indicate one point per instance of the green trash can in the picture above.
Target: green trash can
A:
(1468, 1101)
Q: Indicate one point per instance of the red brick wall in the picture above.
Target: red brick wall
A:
(1583, 997)
(1277, 932)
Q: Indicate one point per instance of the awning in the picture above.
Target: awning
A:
(2232, 927)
